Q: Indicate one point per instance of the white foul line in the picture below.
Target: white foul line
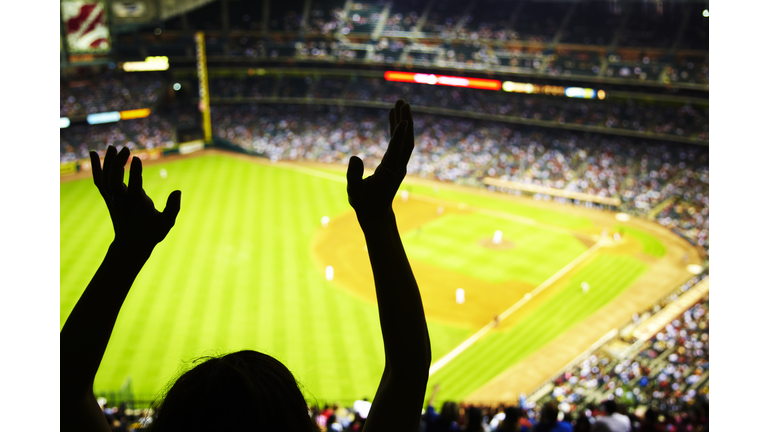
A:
(475, 337)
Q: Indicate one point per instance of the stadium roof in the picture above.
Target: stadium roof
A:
(171, 8)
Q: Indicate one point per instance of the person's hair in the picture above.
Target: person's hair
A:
(450, 412)
(474, 419)
(511, 422)
(244, 391)
(610, 406)
(582, 424)
(549, 413)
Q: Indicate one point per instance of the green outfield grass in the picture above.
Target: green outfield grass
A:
(493, 354)
(452, 242)
(237, 273)
(651, 245)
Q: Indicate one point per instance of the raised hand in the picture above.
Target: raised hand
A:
(136, 221)
(372, 197)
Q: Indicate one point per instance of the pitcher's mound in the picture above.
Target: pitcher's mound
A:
(488, 243)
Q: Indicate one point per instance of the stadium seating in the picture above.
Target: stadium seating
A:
(667, 373)
(609, 40)
(110, 92)
(682, 121)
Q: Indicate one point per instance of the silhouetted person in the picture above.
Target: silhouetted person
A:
(474, 420)
(582, 423)
(651, 422)
(548, 421)
(612, 421)
(248, 390)
(511, 422)
(447, 420)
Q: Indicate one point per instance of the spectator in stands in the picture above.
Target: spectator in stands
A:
(612, 421)
(582, 423)
(448, 418)
(548, 421)
(511, 422)
(651, 422)
(248, 390)
(475, 421)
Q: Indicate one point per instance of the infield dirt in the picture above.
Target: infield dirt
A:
(342, 244)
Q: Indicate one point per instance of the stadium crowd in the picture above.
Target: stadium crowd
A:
(110, 92)
(666, 373)
(466, 150)
(644, 175)
(147, 133)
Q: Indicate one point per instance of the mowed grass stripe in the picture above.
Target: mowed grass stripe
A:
(85, 228)
(651, 245)
(525, 341)
(561, 219)
(498, 351)
(452, 242)
(530, 329)
(542, 325)
(196, 296)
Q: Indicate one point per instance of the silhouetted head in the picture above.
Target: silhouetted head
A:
(450, 411)
(609, 406)
(511, 419)
(244, 391)
(549, 413)
(474, 418)
(582, 424)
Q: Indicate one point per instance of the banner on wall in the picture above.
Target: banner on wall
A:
(68, 168)
(86, 29)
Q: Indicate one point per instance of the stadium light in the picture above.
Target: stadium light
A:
(105, 117)
(134, 114)
(446, 80)
(177, 86)
(705, 13)
(152, 63)
(63, 122)
(584, 93)
(528, 88)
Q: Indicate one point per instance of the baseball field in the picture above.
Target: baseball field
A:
(247, 267)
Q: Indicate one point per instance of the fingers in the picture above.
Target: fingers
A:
(107, 170)
(395, 116)
(392, 122)
(355, 171)
(172, 207)
(391, 156)
(116, 186)
(96, 169)
(134, 177)
(408, 139)
(398, 111)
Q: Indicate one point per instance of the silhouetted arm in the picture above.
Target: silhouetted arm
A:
(399, 398)
(84, 337)
(435, 389)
